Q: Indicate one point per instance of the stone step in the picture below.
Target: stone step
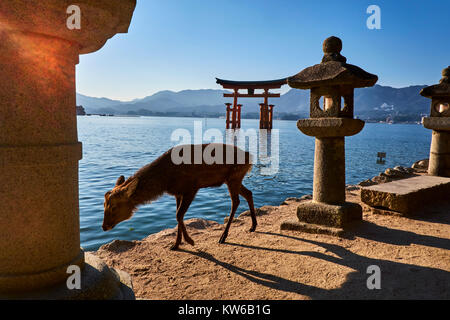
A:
(407, 195)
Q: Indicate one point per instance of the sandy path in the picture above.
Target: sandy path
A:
(412, 253)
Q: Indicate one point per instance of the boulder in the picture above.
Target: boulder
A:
(421, 164)
(407, 195)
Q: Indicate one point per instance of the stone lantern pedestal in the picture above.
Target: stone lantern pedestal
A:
(39, 148)
(439, 164)
(328, 206)
(334, 80)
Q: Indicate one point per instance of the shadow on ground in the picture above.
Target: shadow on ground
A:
(398, 280)
(371, 231)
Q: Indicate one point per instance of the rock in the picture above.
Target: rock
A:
(421, 164)
(197, 223)
(293, 199)
(394, 173)
(382, 178)
(259, 211)
(407, 195)
(404, 169)
(235, 220)
(306, 197)
(390, 174)
(118, 246)
(367, 183)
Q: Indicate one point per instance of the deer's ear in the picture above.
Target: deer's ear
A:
(120, 181)
(130, 188)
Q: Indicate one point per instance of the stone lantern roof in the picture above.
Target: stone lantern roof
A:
(332, 71)
(439, 90)
(100, 19)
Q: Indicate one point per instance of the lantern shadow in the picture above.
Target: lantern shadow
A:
(398, 280)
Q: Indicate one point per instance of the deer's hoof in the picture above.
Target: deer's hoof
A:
(222, 239)
(174, 247)
(252, 229)
(190, 241)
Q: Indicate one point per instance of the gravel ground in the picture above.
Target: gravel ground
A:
(412, 254)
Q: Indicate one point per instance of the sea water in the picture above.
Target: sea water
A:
(114, 146)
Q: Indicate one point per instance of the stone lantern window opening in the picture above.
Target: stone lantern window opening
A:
(331, 102)
(442, 108)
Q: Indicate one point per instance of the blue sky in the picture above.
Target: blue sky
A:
(185, 44)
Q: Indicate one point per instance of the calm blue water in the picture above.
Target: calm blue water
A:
(114, 146)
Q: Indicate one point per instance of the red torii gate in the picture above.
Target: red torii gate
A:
(266, 109)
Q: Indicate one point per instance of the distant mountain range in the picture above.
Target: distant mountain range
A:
(375, 103)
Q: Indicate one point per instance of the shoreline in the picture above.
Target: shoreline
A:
(221, 118)
(411, 251)
(382, 177)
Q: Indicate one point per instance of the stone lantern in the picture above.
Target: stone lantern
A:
(333, 80)
(439, 122)
(39, 148)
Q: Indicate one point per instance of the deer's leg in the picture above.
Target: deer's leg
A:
(233, 188)
(184, 204)
(180, 230)
(178, 239)
(178, 201)
(247, 194)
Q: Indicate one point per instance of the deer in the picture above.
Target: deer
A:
(223, 164)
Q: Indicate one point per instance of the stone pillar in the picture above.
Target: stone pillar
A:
(39, 224)
(440, 154)
(329, 170)
(39, 148)
(328, 208)
(439, 164)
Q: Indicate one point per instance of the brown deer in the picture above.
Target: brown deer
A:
(182, 180)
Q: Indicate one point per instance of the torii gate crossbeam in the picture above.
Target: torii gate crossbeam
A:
(266, 110)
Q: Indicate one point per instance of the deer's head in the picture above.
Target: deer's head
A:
(118, 204)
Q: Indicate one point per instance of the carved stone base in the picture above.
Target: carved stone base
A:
(98, 282)
(318, 217)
